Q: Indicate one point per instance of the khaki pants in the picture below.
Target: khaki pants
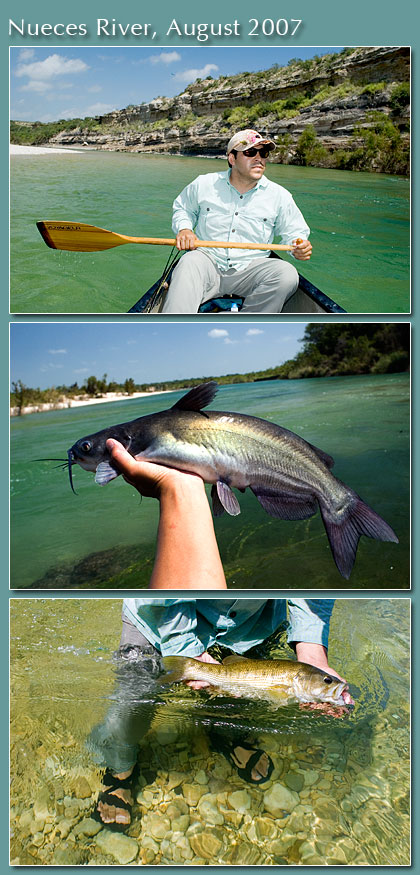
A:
(266, 284)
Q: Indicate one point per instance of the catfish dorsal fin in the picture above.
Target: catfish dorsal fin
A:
(198, 397)
(232, 658)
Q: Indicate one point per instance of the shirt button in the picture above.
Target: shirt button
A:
(241, 197)
(233, 613)
(208, 210)
(233, 230)
(237, 214)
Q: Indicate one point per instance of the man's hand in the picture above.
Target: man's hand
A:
(302, 250)
(199, 685)
(186, 239)
(149, 478)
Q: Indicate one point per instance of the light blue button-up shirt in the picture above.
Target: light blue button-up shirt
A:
(217, 211)
(190, 626)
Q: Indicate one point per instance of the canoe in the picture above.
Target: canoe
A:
(307, 299)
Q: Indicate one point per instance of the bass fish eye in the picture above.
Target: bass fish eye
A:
(327, 680)
(86, 446)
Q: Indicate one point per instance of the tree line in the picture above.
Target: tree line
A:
(329, 350)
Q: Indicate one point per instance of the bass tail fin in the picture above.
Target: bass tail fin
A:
(198, 397)
(357, 520)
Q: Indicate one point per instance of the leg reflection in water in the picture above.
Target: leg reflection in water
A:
(115, 742)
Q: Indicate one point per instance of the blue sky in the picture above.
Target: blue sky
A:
(47, 84)
(52, 353)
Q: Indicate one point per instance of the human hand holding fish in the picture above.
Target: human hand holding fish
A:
(185, 519)
(149, 478)
(317, 655)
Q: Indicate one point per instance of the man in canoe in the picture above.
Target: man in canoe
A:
(188, 558)
(241, 205)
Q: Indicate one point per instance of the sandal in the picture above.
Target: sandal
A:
(112, 783)
(244, 772)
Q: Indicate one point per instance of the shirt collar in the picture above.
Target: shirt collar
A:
(262, 183)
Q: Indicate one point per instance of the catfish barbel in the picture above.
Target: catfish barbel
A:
(289, 477)
(277, 680)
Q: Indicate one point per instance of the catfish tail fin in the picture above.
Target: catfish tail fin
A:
(344, 531)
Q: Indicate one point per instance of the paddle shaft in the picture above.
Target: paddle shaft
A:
(79, 237)
(214, 244)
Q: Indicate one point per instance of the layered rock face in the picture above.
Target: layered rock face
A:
(334, 94)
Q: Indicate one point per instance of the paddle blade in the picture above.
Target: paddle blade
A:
(78, 237)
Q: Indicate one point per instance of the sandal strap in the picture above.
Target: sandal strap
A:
(112, 782)
(112, 799)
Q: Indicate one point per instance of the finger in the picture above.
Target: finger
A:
(120, 456)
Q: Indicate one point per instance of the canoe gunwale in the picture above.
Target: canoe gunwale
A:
(323, 303)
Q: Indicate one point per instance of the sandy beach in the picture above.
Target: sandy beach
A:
(65, 402)
(40, 150)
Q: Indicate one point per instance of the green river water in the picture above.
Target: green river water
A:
(359, 224)
(343, 783)
(104, 537)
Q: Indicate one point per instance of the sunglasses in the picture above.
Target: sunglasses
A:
(251, 153)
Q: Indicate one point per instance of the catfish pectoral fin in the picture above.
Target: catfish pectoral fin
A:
(227, 498)
(285, 505)
(104, 473)
(344, 534)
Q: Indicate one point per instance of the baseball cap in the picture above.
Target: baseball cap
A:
(245, 139)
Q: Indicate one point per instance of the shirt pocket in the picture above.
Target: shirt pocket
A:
(260, 221)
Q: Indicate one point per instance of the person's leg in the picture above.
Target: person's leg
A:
(266, 284)
(114, 743)
(195, 279)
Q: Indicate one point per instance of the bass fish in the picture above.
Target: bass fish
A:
(279, 681)
(289, 477)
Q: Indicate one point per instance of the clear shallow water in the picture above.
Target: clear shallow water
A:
(351, 804)
(104, 537)
(359, 222)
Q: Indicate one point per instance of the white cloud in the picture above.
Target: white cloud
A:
(230, 342)
(81, 370)
(41, 74)
(218, 332)
(37, 86)
(57, 351)
(54, 65)
(165, 58)
(253, 331)
(94, 89)
(191, 75)
(99, 108)
(26, 54)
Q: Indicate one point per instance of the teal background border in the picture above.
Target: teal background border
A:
(324, 23)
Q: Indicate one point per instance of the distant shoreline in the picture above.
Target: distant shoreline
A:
(65, 403)
(40, 150)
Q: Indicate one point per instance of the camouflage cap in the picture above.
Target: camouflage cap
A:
(246, 139)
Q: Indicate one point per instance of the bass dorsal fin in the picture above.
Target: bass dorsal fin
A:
(198, 397)
(232, 658)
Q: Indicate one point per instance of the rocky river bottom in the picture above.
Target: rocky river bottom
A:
(336, 802)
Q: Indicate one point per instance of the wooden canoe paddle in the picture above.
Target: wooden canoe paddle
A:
(78, 237)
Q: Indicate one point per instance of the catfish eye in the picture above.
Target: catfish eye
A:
(86, 446)
(327, 680)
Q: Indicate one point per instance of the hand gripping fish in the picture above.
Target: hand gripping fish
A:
(289, 477)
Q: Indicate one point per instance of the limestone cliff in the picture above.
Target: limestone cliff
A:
(332, 94)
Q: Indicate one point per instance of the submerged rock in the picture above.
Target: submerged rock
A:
(279, 799)
(117, 845)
